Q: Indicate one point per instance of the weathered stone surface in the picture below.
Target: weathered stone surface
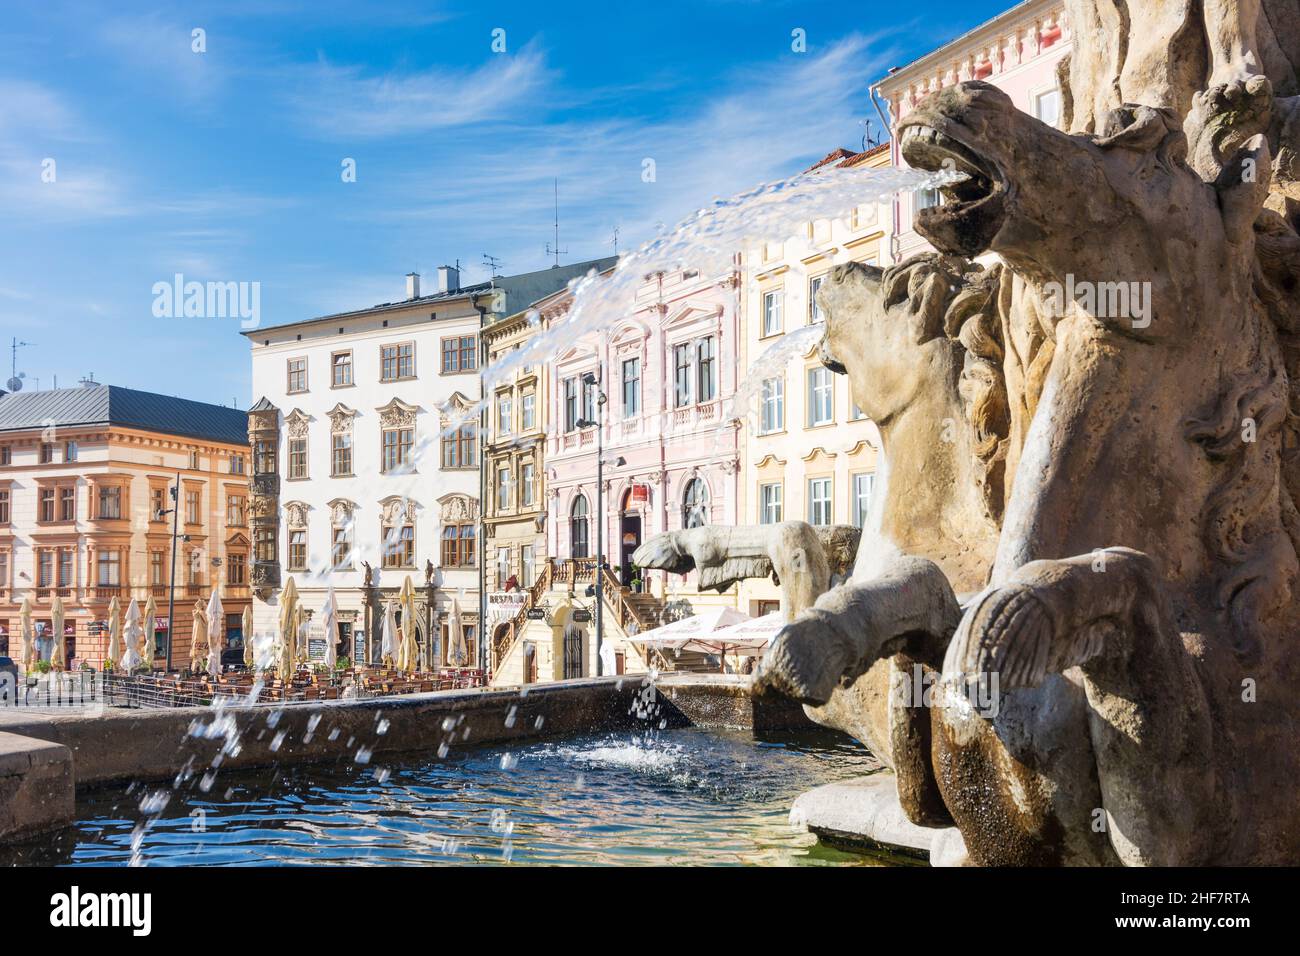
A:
(36, 787)
(861, 812)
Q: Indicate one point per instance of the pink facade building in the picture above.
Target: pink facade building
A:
(668, 370)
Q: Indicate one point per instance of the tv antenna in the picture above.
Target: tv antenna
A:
(556, 250)
(15, 383)
(493, 265)
(616, 240)
(868, 141)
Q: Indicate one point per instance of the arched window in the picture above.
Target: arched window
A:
(578, 527)
(695, 504)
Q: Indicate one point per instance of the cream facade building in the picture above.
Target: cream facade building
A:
(86, 480)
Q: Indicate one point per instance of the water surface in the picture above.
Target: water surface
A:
(671, 797)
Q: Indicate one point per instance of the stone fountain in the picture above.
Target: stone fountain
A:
(1087, 548)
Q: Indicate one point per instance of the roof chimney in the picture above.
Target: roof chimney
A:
(413, 285)
(448, 279)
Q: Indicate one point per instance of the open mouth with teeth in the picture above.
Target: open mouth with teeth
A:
(974, 208)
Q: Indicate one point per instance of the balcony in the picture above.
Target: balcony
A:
(106, 592)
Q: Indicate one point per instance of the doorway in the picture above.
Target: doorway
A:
(629, 536)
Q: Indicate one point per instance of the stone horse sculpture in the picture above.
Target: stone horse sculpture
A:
(1140, 597)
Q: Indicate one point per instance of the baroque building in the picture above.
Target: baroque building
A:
(89, 477)
(367, 465)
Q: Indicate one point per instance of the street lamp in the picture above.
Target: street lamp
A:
(174, 492)
(592, 380)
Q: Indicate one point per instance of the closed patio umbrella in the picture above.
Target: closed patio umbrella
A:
(248, 636)
(409, 651)
(58, 657)
(388, 647)
(216, 632)
(288, 629)
(198, 638)
(458, 653)
(28, 633)
(329, 616)
(150, 628)
(134, 638)
(114, 631)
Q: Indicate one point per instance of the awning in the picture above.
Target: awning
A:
(710, 633)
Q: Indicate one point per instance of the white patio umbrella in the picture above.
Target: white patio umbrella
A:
(746, 639)
(249, 656)
(329, 615)
(409, 649)
(288, 629)
(458, 653)
(198, 638)
(695, 633)
(58, 657)
(114, 631)
(216, 632)
(28, 633)
(134, 638)
(388, 647)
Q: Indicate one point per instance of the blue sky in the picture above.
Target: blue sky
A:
(226, 165)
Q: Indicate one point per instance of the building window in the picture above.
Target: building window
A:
(109, 565)
(821, 397)
(631, 387)
(70, 451)
(68, 504)
(819, 501)
(695, 504)
(505, 414)
(503, 487)
(863, 485)
(45, 568)
(570, 404)
(340, 455)
(298, 549)
(6, 455)
(297, 458)
(528, 411)
(264, 457)
(264, 545)
(578, 527)
(297, 375)
(341, 551)
(459, 354)
(1047, 107)
(503, 568)
(706, 369)
(527, 475)
(396, 361)
(46, 511)
(681, 375)
(815, 312)
(110, 502)
(341, 369)
(66, 556)
(769, 496)
(235, 510)
(192, 509)
(856, 414)
(926, 198)
(772, 303)
(47, 453)
(157, 575)
(195, 561)
(399, 546)
(398, 444)
(458, 545)
(236, 464)
(236, 569)
(4, 507)
(156, 499)
(773, 409)
(526, 565)
(460, 448)
(194, 461)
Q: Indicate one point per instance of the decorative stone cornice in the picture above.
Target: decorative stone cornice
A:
(397, 414)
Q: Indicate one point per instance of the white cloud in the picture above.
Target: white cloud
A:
(342, 101)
